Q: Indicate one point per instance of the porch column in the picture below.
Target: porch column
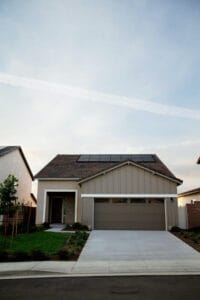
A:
(166, 213)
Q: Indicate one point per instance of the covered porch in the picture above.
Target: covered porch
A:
(60, 207)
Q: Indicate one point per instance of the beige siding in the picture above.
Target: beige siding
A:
(56, 185)
(13, 164)
(69, 208)
(129, 179)
(88, 212)
(172, 212)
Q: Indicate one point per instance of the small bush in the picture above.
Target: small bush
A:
(37, 254)
(3, 255)
(176, 229)
(63, 253)
(21, 256)
(76, 226)
(79, 226)
(46, 225)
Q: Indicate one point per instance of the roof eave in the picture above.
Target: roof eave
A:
(56, 178)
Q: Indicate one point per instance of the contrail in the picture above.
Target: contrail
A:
(95, 96)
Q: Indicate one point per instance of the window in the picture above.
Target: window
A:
(155, 201)
(139, 200)
(102, 200)
(120, 200)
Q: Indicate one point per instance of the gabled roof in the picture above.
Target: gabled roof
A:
(8, 149)
(80, 167)
(190, 192)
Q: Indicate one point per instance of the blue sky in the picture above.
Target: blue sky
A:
(104, 51)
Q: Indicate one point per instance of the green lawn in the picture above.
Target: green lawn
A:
(48, 242)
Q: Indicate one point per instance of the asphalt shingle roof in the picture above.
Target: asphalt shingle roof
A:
(69, 166)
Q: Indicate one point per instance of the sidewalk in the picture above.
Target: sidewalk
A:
(98, 268)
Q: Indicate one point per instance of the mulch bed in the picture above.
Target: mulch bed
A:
(188, 241)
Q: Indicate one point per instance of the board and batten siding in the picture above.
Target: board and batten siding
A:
(88, 212)
(172, 212)
(129, 179)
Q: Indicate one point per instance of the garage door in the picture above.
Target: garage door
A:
(141, 214)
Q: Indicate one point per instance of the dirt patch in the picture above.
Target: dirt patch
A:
(187, 240)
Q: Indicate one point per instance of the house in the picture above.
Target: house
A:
(189, 209)
(108, 192)
(13, 162)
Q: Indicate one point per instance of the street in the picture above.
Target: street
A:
(111, 288)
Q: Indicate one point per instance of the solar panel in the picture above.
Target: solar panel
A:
(116, 157)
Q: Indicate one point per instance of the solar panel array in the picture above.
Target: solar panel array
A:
(116, 157)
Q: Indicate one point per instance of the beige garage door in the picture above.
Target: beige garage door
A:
(142, 214)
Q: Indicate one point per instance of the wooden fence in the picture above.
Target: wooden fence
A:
(193, 214)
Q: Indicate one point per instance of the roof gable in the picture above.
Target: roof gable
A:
(4, 150)
(130, 163)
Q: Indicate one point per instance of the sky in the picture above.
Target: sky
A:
(95, 76)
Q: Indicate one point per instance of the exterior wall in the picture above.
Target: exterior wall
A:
(88, 212)
(13, 164)
(69, 208)
(182, 210)
(172, 212)
(129, 179)
(125, 180)
(54, 185)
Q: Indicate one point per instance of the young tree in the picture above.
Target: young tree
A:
(8, 201)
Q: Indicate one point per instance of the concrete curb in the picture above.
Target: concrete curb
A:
(97, 275)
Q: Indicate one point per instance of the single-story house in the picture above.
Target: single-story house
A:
(108, 192)
(189, 209)
(14, 162)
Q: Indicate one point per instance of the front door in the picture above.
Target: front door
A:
(56, 210)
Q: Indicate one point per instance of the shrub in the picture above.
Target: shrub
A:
(176, 229)
(3, 255)
(63, 253)
(37, 254)
(21, 256)
(46, 225)
(42, 227)
(79, 226)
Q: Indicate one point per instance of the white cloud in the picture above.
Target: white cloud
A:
(91, 95)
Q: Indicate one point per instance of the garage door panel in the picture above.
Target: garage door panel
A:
(129, 216)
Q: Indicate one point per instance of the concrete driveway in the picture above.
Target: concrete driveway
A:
(144, 252)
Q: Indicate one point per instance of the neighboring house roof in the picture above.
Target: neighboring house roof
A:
(80, 167)
(8, 149)
(34, 198)
(190, 192)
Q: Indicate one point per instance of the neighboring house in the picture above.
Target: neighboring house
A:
(13, 161)
(189, 209)
(108, 192)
